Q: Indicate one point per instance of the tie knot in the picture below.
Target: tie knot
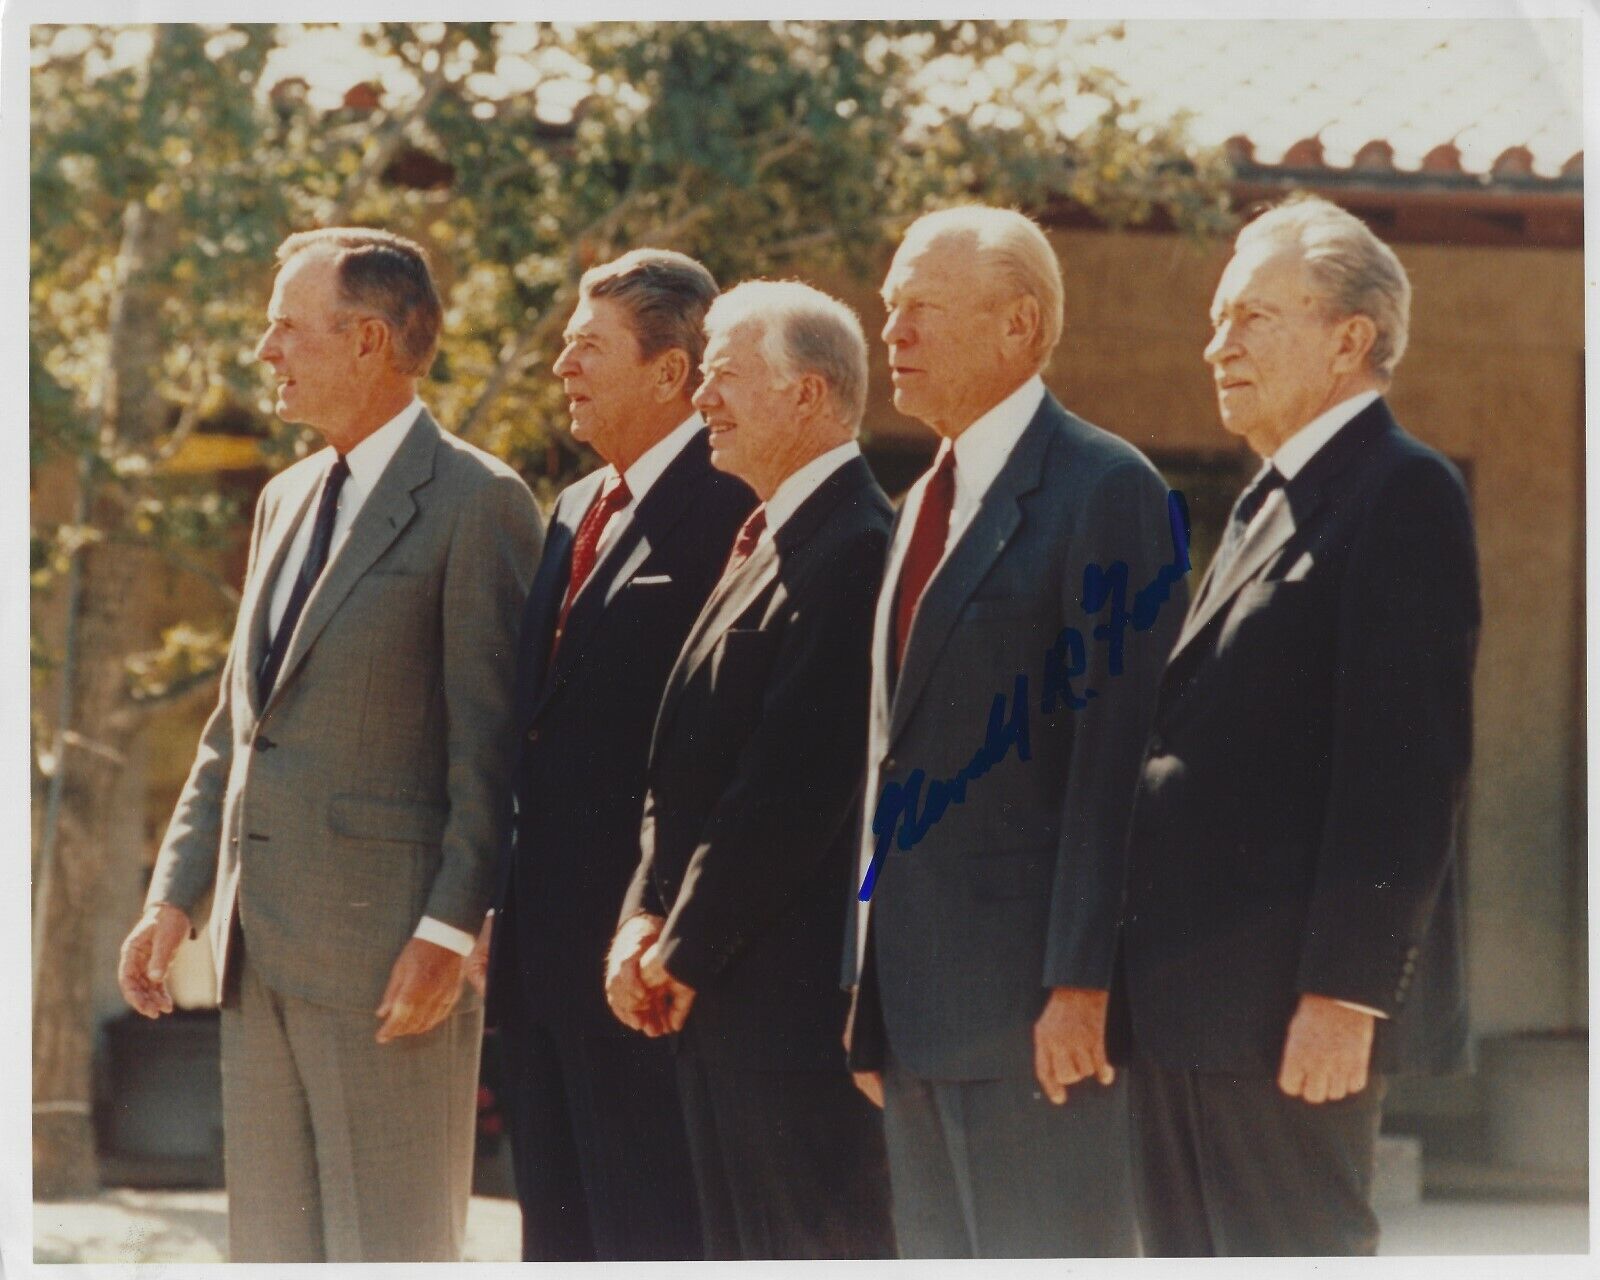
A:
(1252, 499)
(617, 496)
(339, 472)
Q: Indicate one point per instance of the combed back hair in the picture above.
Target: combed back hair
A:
(1016, 250)
(387, 275)
(1353, 270)
(666, 295)
(803, 331)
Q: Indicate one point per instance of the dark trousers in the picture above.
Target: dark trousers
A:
(994, 1169)
(602, 1163)
(789, 1164)
(1231, 1166)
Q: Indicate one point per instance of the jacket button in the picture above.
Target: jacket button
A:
(890, 764)
(264, 743)
(1157, 744)
(533, 735)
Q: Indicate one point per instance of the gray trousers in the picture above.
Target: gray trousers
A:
(993, 1169)
(337, 1148)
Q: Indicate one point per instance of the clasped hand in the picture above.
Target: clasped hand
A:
(640, 991)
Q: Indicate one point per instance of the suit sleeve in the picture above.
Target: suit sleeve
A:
(494, 550)
(186, 865)
(1125, 521)
(1402, 737)
(799, 773)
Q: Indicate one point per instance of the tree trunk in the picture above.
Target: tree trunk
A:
(75, 866)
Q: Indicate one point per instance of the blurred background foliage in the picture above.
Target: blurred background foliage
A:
(168, 161)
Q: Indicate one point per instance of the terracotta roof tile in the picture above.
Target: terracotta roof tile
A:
(1444, 98)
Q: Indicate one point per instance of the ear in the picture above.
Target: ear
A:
(811, 392)
(1024, 321)
(1354, 337)
(374, 337)
(672, 374)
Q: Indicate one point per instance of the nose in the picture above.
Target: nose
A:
(267, 348)
(566, 362)
(1221, 345)
(895, 328)
(705, 396)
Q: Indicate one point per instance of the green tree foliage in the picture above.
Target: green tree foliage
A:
(168, 162)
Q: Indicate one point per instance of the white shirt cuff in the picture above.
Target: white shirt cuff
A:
(445, 935)
(1361, 1008)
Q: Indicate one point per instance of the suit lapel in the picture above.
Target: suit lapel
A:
(387, 510)
(658, 512)
(545, 596)
(1285, 513)
(737, 591)
(969, 561)
(256, 607)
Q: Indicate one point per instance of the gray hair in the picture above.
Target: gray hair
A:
(1355, 272)
(385, 274)
(1014, 247)
(803, 331)
(665, 294)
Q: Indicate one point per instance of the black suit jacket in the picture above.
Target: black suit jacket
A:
(1294, 827)
(584, 730)
(755, 775)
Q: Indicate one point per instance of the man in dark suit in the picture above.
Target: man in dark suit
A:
(1032, 593)
(633, 551)
(732, 926)
(1292, 924)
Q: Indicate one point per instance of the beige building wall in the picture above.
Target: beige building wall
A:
(1493, 378)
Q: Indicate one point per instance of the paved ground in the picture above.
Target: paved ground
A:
(188, 1226)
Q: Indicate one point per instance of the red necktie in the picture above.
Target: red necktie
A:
(586, 547)
(745, 542)
(926, 549)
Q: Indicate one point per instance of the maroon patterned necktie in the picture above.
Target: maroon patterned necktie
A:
(745, 542)
(586, 547)
(926, 548)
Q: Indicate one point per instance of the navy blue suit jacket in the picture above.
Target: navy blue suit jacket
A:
(584, 731)
(1295, 823)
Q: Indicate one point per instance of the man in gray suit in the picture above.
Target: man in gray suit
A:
(1032, 592)
(343, 805)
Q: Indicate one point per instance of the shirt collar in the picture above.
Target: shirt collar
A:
(368, 459)
(650, 465)
(1302, 446)
(982, 449)
(800, 485)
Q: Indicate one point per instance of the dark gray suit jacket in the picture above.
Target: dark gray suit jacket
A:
(1024, 724)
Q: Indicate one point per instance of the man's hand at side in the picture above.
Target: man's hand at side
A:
(1069, 1041)
(630, 1000)
(147, 953)
(1327, 1051)
(669, 997)
(477, 966)
(423, 987)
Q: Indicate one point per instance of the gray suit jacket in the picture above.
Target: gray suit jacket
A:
(1005, 864)
(370, 789)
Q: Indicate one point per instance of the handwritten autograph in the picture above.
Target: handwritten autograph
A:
(905, 805)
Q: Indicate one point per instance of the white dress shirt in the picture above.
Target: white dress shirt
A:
(981, 452)
(1306, 443)
(367, 461)
(800, 485)
(641, 477)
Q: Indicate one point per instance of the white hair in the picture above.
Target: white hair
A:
(803, 330)
(1012, 245)
(1355, 272)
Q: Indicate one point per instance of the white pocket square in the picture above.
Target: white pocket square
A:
(651, 580)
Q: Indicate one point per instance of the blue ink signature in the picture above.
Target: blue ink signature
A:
(916, 805)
